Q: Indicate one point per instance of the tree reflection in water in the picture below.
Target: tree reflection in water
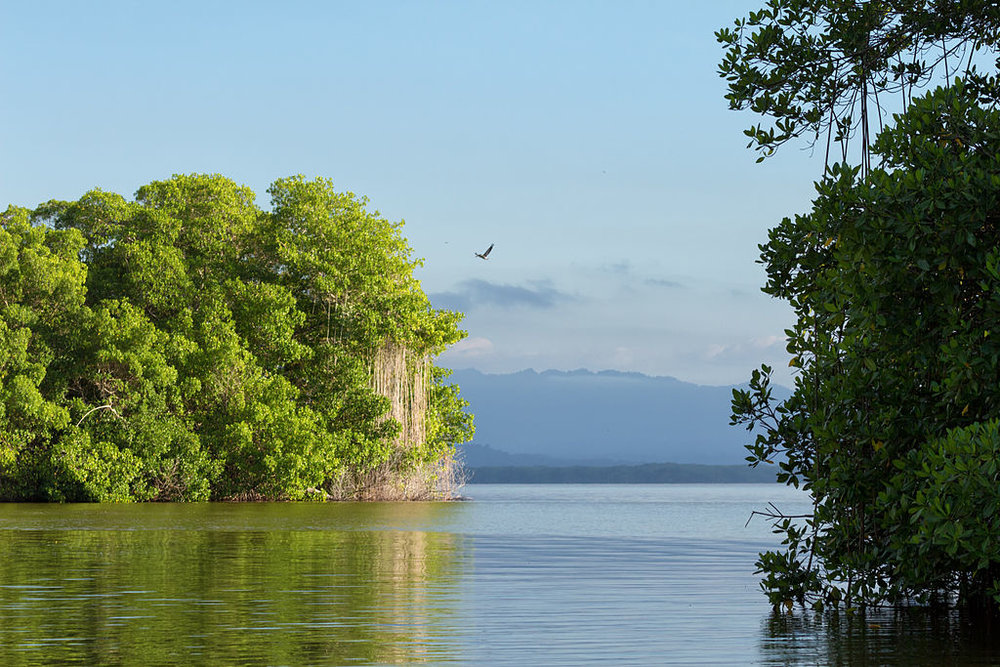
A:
(246, 591)
(910, 636)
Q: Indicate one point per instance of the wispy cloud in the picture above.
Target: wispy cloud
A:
(662, 282)
(623, 267)
(630, 276)
(473, 293)
(472, 347)
(736, 349)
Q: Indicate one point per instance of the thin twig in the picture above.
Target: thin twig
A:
(774, 513)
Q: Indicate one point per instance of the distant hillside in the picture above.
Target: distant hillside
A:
(585, 417)
(479, 456)
(650, 473)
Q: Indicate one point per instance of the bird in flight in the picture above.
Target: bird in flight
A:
(485, 253)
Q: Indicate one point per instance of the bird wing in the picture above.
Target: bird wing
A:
(488, 250)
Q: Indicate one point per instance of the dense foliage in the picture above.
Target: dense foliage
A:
(188, 345)
(894, 278)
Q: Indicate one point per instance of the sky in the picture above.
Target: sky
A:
(589, 141)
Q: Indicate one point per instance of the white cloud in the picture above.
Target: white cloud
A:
(741, 348)
(716, 350)
(765, 342)
(623, 357)
(471, 347)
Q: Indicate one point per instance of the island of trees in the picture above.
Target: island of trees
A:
(894, 278)
(187, 345)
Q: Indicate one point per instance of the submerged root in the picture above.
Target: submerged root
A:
(438, 480)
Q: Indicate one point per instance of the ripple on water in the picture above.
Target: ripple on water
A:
(555, 576)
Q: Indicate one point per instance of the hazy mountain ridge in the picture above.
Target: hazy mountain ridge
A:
(479, 456)
(601, 418)
(645, 473)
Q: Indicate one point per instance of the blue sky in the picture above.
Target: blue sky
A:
(589, 141)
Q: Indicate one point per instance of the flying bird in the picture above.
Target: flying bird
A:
(485, 253)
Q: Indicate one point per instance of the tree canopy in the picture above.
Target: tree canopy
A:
(836, 66)
(894, 279)
(188, 345)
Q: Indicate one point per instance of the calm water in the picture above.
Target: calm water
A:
(546, 575)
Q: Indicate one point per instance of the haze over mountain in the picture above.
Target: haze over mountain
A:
(597, 418)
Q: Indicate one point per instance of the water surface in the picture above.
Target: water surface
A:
(554, 575)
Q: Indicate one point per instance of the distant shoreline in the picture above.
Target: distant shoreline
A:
(649, 473)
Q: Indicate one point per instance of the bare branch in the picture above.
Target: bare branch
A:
(775, 514)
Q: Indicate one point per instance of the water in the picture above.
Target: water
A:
(548, 575)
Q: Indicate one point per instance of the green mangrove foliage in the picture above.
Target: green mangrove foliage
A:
(188, 345)
(830, 67)
(894, 278)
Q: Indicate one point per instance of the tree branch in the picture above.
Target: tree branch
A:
(100, 407)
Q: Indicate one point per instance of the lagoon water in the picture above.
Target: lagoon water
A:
(542, 575)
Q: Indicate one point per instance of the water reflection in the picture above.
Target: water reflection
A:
(653, 575)
(341, 595)
(912, 637)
